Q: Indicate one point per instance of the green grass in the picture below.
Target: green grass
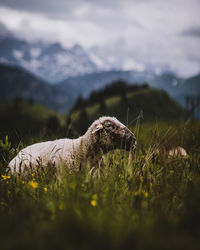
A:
(145, 201)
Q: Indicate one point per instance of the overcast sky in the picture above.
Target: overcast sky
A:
(137, 31)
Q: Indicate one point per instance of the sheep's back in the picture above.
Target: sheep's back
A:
(43, 153)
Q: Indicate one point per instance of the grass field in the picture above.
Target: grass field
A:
(147, 201)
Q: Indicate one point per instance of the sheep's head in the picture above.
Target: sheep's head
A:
(112, 134)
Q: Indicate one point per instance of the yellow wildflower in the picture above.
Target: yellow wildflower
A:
(53, 217)
(146, 194)
(94, 196)
(93, 203)
(45, 189)
(137, 193)
(22, 182)
(3, 203)
(83, 187)
(5, 177)
(33, 184)
(61, 206)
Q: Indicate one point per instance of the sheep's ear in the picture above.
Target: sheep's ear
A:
(97, 128)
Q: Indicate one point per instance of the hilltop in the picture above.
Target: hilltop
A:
(151, 104)
(178, 88)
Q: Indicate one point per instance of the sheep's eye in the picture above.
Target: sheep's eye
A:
(108, 124)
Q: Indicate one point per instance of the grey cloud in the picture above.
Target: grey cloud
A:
(4, 31)
(3, 28)
(145, 30)
(61, 7)
(193, 32)
(44, 6)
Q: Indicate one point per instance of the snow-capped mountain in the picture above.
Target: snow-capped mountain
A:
(54, 63)
(50, 62)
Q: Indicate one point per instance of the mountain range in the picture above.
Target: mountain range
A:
(53, 63)
(15, 82)
(50, 62)
(84, 85)
(26, 69)
(176, 87)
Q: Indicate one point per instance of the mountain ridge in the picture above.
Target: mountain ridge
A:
(61, 96)
(51, 62)
(15, 82)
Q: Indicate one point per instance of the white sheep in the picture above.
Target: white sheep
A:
(177, 152)
(104, 135)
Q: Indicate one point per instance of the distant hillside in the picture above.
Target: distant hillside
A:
(151, 103)
(84, 85)
(15, 82)
(192, 85)
(118, 87)
(178, 88)
(166, 81)
(24, 120)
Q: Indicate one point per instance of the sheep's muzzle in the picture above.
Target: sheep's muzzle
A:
(130, 141)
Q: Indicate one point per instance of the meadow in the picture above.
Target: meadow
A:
(145, 201)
